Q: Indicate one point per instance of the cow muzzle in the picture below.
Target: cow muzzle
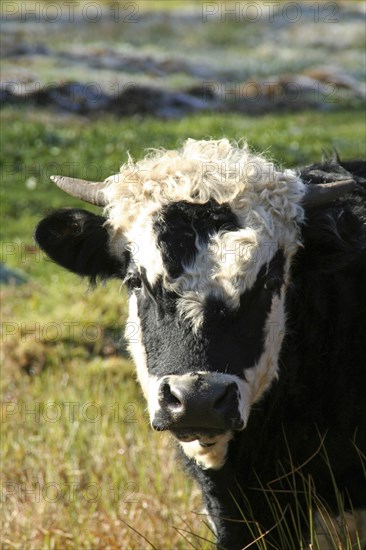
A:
(197, 406)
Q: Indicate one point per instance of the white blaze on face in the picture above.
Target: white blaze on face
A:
(260, 377)
(144, 250)
(149, 384)
(136, 346)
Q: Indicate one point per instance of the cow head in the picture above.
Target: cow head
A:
(203, 238)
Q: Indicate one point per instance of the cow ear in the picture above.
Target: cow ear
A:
(79, 241)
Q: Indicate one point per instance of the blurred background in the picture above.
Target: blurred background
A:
(82, 84)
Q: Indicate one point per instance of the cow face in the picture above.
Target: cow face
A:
(203, 239)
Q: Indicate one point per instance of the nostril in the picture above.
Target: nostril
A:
(156, 426)
(169, 397)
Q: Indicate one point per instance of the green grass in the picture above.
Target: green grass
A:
(49, 364)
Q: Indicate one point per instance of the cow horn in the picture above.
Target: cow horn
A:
(87, 191)
(323, 193)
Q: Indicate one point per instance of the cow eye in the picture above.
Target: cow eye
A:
(133, 281)
(273, 283)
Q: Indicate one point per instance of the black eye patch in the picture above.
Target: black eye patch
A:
(272, 283)
(180, 225)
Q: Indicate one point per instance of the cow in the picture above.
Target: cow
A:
(247, 283)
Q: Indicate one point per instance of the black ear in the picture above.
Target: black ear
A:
(77, 240)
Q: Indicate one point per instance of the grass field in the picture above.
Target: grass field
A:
(81, 467)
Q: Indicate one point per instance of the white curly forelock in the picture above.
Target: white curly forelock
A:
(200, 171)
